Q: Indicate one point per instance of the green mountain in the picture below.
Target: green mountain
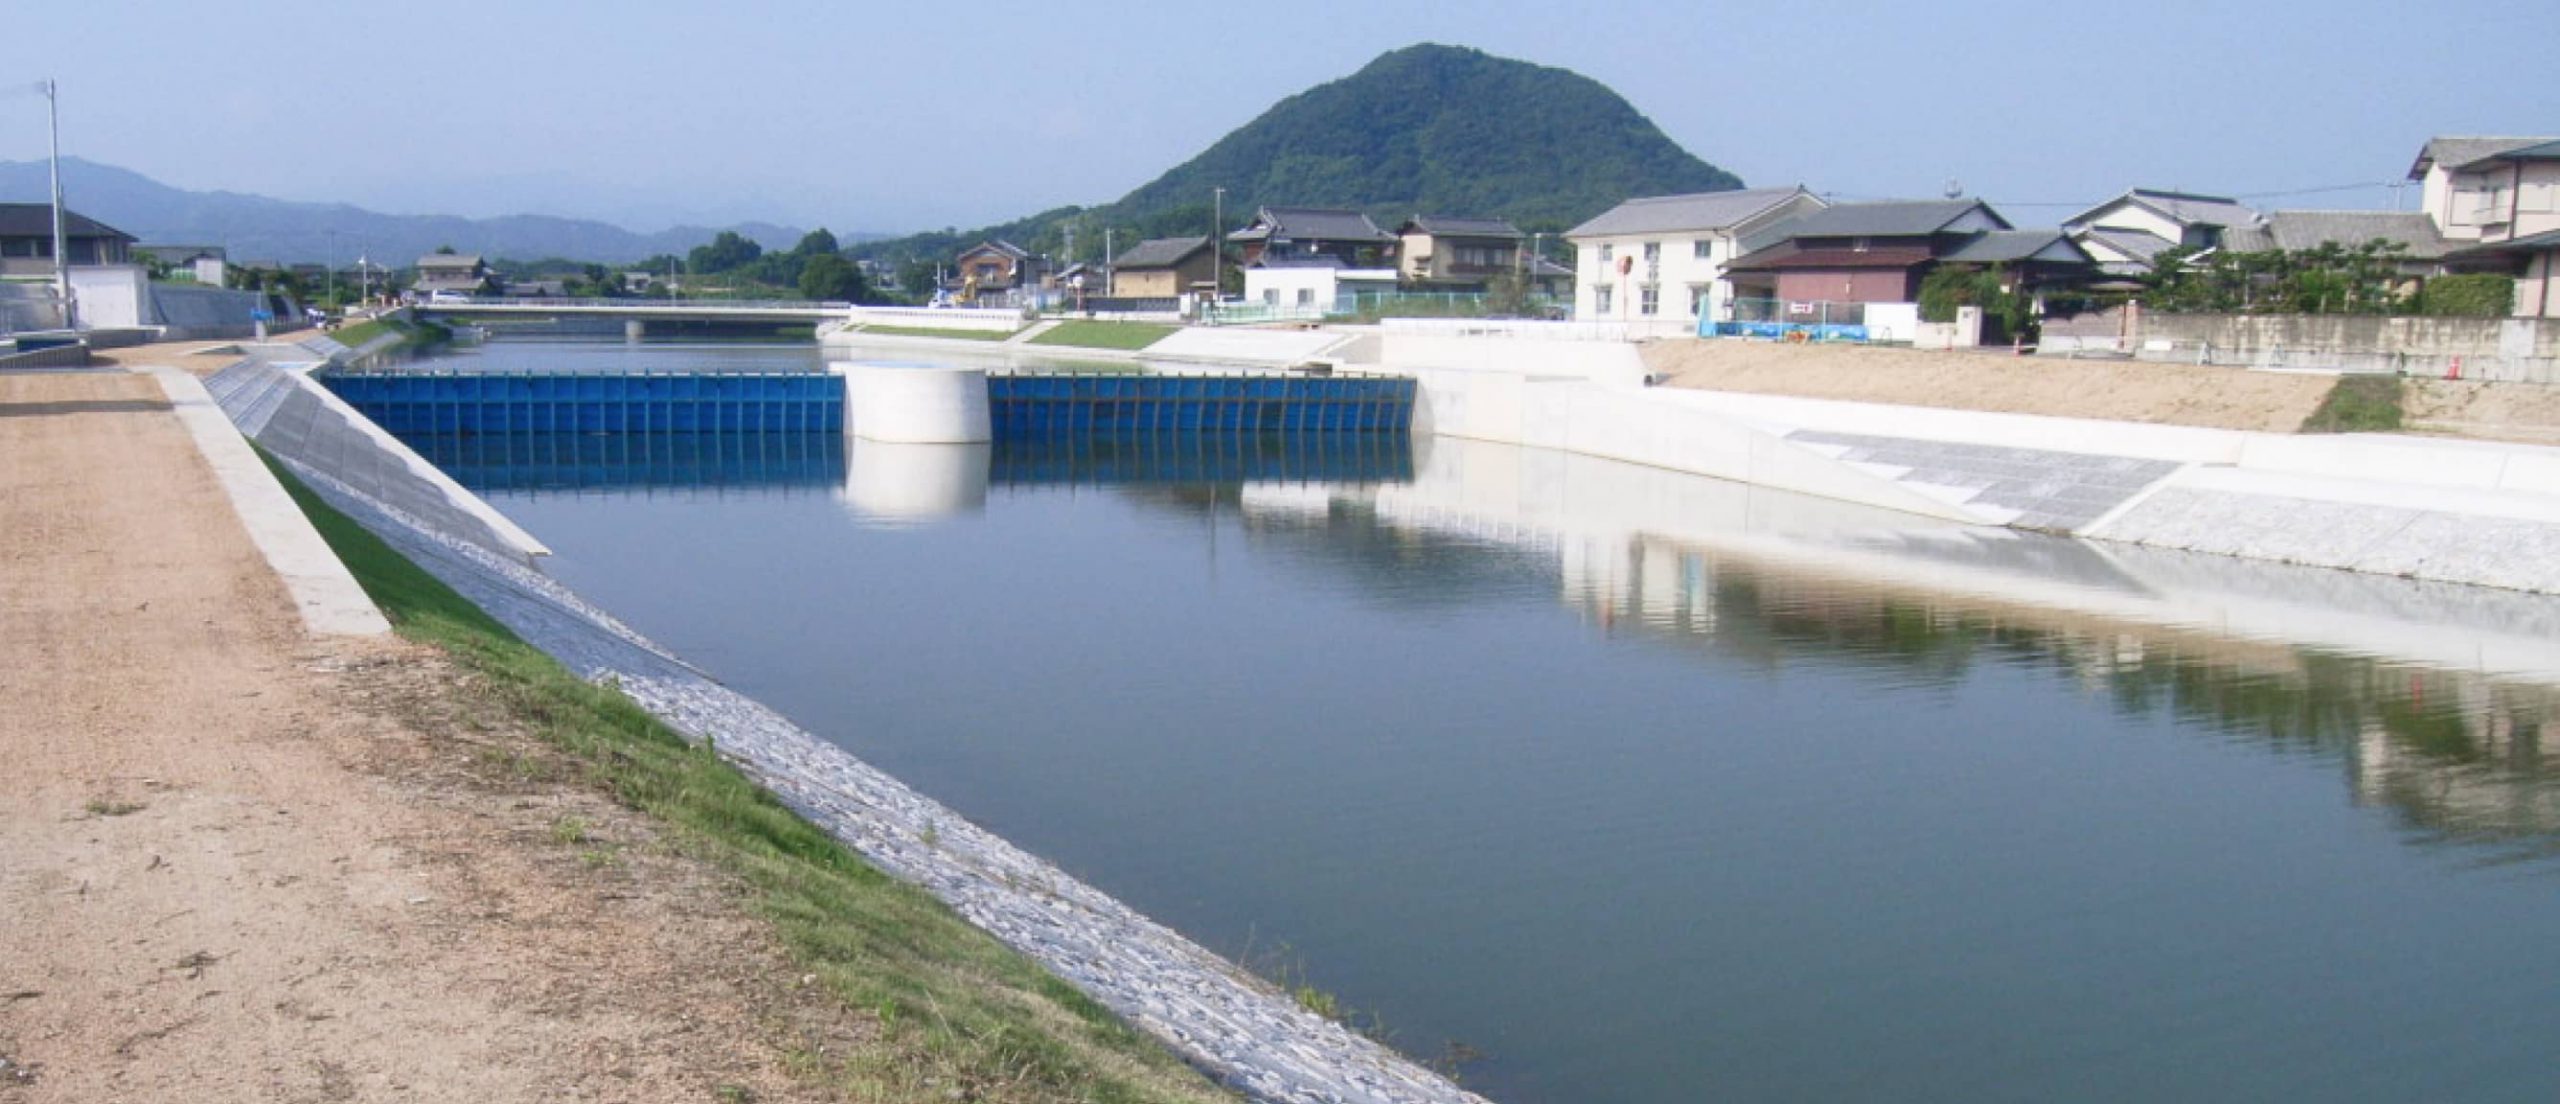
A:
(1426, 129)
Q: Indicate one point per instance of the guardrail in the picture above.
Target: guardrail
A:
(686, 305)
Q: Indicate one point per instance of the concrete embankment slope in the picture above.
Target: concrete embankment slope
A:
(2454, 511)
(1242, 1031)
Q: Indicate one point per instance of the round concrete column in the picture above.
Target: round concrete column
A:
(634, 330)
(916, 403)
(893, 483)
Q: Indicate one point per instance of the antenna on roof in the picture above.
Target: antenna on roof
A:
(1955, 188)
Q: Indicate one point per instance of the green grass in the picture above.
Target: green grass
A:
(2358, 404)
(960, 1015)
(356, 335)
(936, 331)
(1094, 334)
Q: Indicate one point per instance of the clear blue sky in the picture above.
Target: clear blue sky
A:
(861, 116)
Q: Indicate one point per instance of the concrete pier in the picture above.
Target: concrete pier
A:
(923, 404)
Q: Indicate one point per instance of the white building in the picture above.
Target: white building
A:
(2503, 193)
(2124, 234)
(1312, 285)
(1662, 258)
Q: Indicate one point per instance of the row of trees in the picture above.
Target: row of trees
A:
(2329, 279)
(816, 266)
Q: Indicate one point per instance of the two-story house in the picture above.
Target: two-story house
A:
(994, 268)
(1161, 268)
(455, 273)
(26, 240)
(2124, 234)
(1664, 257)
(1299, 232)
(1456, 254)
(2504, 195)
(1864, 252)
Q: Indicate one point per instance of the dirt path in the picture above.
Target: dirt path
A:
(236, 864)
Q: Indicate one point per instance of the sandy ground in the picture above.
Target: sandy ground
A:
(239, 864)
(2130, 391)
(2122, 390)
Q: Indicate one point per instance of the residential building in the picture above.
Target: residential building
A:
(2504, 195)
(1161, 268)
(26, 240)
(2124, 234)
(1318, 283)
(1456, 254)
(1665, 256)
(459, 273)
(992, 267)
(1345, 235)
(201, 264)
(1879, 252)
(2423, 247)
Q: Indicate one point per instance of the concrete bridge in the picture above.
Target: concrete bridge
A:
(643, 311)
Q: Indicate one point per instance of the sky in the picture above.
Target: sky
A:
(909, 116)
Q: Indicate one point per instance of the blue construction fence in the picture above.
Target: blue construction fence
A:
(1034, 403)
(1789, 320)
(408, 403)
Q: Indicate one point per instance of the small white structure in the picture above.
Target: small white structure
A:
(1316, 285)
(1664, 257)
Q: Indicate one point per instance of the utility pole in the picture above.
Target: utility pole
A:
(1107, 255)
(1217, 243)
(61, 259)
(332, 269)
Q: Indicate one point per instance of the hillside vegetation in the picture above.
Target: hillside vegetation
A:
(1423, 130)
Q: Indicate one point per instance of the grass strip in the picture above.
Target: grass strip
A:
(937, 331)
(2358, 404)
(961, 1015)
(1100, 334)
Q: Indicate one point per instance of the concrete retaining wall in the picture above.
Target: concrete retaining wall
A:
(2500, 349)
(949, 318)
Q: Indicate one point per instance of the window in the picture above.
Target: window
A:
(1703, 249)
(1271, 297)
(1651, 303)
(1698, 300)
(1604, 297)
(1653, 252)
(1306, 297)
(1608, 252)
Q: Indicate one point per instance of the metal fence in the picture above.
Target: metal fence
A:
(1789, 320)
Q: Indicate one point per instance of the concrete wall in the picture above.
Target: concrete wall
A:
(2507, 349)
(192, 312)
(28, 307)
(112, 295)
(939, 318)
(1614, 363)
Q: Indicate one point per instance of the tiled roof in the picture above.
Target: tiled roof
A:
(2530, 243)
(1675, 213)
(1319, 223)
(2308, 229)
(1886, 219)
(1300, 260)
(2183, 208)
(1161, 252)
(449, 260)
(1788, 255)
(1441, 226)
(2137, 243)
(2454, 152)
(2010, 246)
(35, 220)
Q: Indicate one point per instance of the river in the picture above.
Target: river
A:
(1619, 785)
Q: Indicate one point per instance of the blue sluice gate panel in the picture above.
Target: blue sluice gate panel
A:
(441, 403)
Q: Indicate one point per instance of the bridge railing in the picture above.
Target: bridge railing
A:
(477, 302)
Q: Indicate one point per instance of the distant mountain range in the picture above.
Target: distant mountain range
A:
(1428, 129)
(257, 228)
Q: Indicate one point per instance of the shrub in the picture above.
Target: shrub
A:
(2470, 295)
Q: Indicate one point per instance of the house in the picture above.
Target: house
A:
(458, 273)
(202, 264)
(1162, 268)
(1628, 255)
(2504, 195)
(2126, 233)
(1878, 252)
(1456, 254)
(2423, 247)
(1314, 283)
(994, 267)
(26, 240)
(1347, 236)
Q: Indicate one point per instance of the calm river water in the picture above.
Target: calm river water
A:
(1647, 788)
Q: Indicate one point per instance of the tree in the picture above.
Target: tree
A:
(830, 277)
(727, 251)
(815, 242)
